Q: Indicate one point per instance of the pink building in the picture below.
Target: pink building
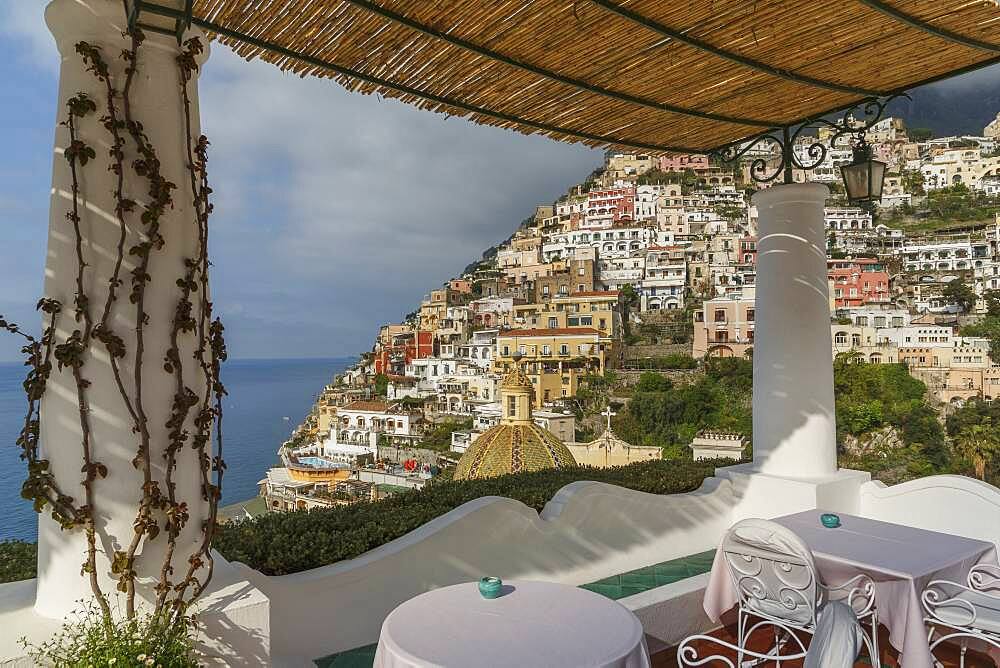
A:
(858, 282)
(682, 161)
(748, 251)
(607, 207)
(724, 326)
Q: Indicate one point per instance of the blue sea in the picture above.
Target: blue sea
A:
(261, 394)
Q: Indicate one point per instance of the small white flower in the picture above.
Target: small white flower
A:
(149, 661)
(112, 661)
(141, 657)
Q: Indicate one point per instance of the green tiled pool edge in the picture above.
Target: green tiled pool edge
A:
(615, 587)
(650, 577)
(359, 657)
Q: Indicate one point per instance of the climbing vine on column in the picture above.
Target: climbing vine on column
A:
(161, 513)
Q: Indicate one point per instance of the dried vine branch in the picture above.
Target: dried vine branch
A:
(72, 352)
(40, 486)
(207, 415)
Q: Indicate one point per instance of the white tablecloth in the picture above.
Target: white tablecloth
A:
(900, 559)
(530, 624)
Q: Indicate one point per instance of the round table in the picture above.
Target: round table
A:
(530, 624)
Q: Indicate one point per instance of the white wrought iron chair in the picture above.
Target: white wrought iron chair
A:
(837, 643)
(775, 577)
(965, 612)
(688, 651)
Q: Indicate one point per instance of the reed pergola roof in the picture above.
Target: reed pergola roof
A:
(657, 75)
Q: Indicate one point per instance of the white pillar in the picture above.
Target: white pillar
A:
(157, 104)
(794, 428)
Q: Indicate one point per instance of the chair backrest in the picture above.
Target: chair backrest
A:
(773, 571)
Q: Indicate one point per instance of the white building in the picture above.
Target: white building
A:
(362, 422)
(866, 316)
(665, 279)
(938, 256)
(478, 351)
(615, 273)
(919, 335)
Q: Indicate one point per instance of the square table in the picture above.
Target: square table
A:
(901, 560)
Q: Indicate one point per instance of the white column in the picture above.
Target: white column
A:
(157, 104)
(794, 429)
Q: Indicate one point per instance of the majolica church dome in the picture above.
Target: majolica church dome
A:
(516, 444)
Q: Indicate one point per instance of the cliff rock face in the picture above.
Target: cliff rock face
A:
(957, 107)
(880, 440)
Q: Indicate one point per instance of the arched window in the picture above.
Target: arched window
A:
(855, 339)
(840, 338)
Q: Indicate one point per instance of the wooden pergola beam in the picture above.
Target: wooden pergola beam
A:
(920, 24)
(374, 8)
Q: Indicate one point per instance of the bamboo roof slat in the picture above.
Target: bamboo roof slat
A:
(659, 76)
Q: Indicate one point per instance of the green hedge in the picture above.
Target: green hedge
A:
(666, 362)
(17, 560)
(281, 543)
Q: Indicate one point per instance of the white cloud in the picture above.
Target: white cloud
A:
(347, 208)
(24, 20)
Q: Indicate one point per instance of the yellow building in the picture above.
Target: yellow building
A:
(554, 359)
(516, 444)
(598, 309)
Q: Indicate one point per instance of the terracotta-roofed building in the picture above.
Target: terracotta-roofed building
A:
(858, 282)
(555, 359)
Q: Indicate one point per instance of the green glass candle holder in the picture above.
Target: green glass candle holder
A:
(489, 586)
(829, 520)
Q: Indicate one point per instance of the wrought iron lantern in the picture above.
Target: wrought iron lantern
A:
(863, 177)
(169, 17)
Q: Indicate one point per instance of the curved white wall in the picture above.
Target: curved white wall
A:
(947, 503)
(587, 532)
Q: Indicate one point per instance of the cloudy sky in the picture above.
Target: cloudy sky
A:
(334, 212)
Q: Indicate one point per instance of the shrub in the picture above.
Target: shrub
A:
(281, 543)
(86, 640)
(671, 361)
(439, 438)
(653, 382)
(17, 560)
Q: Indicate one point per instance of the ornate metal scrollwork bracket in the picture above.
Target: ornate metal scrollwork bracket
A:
(848, 128)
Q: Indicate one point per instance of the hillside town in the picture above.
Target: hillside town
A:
(649, 265)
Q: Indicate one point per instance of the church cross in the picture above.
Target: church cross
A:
(608, 413)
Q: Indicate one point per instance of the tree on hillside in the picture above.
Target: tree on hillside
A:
(913, 182)
(730, 213)
(979, 443)
(959, 292)
(920, 134)
(653, 382)
(381, 384)
(992, 299)
(957, 202)
(630, 297)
